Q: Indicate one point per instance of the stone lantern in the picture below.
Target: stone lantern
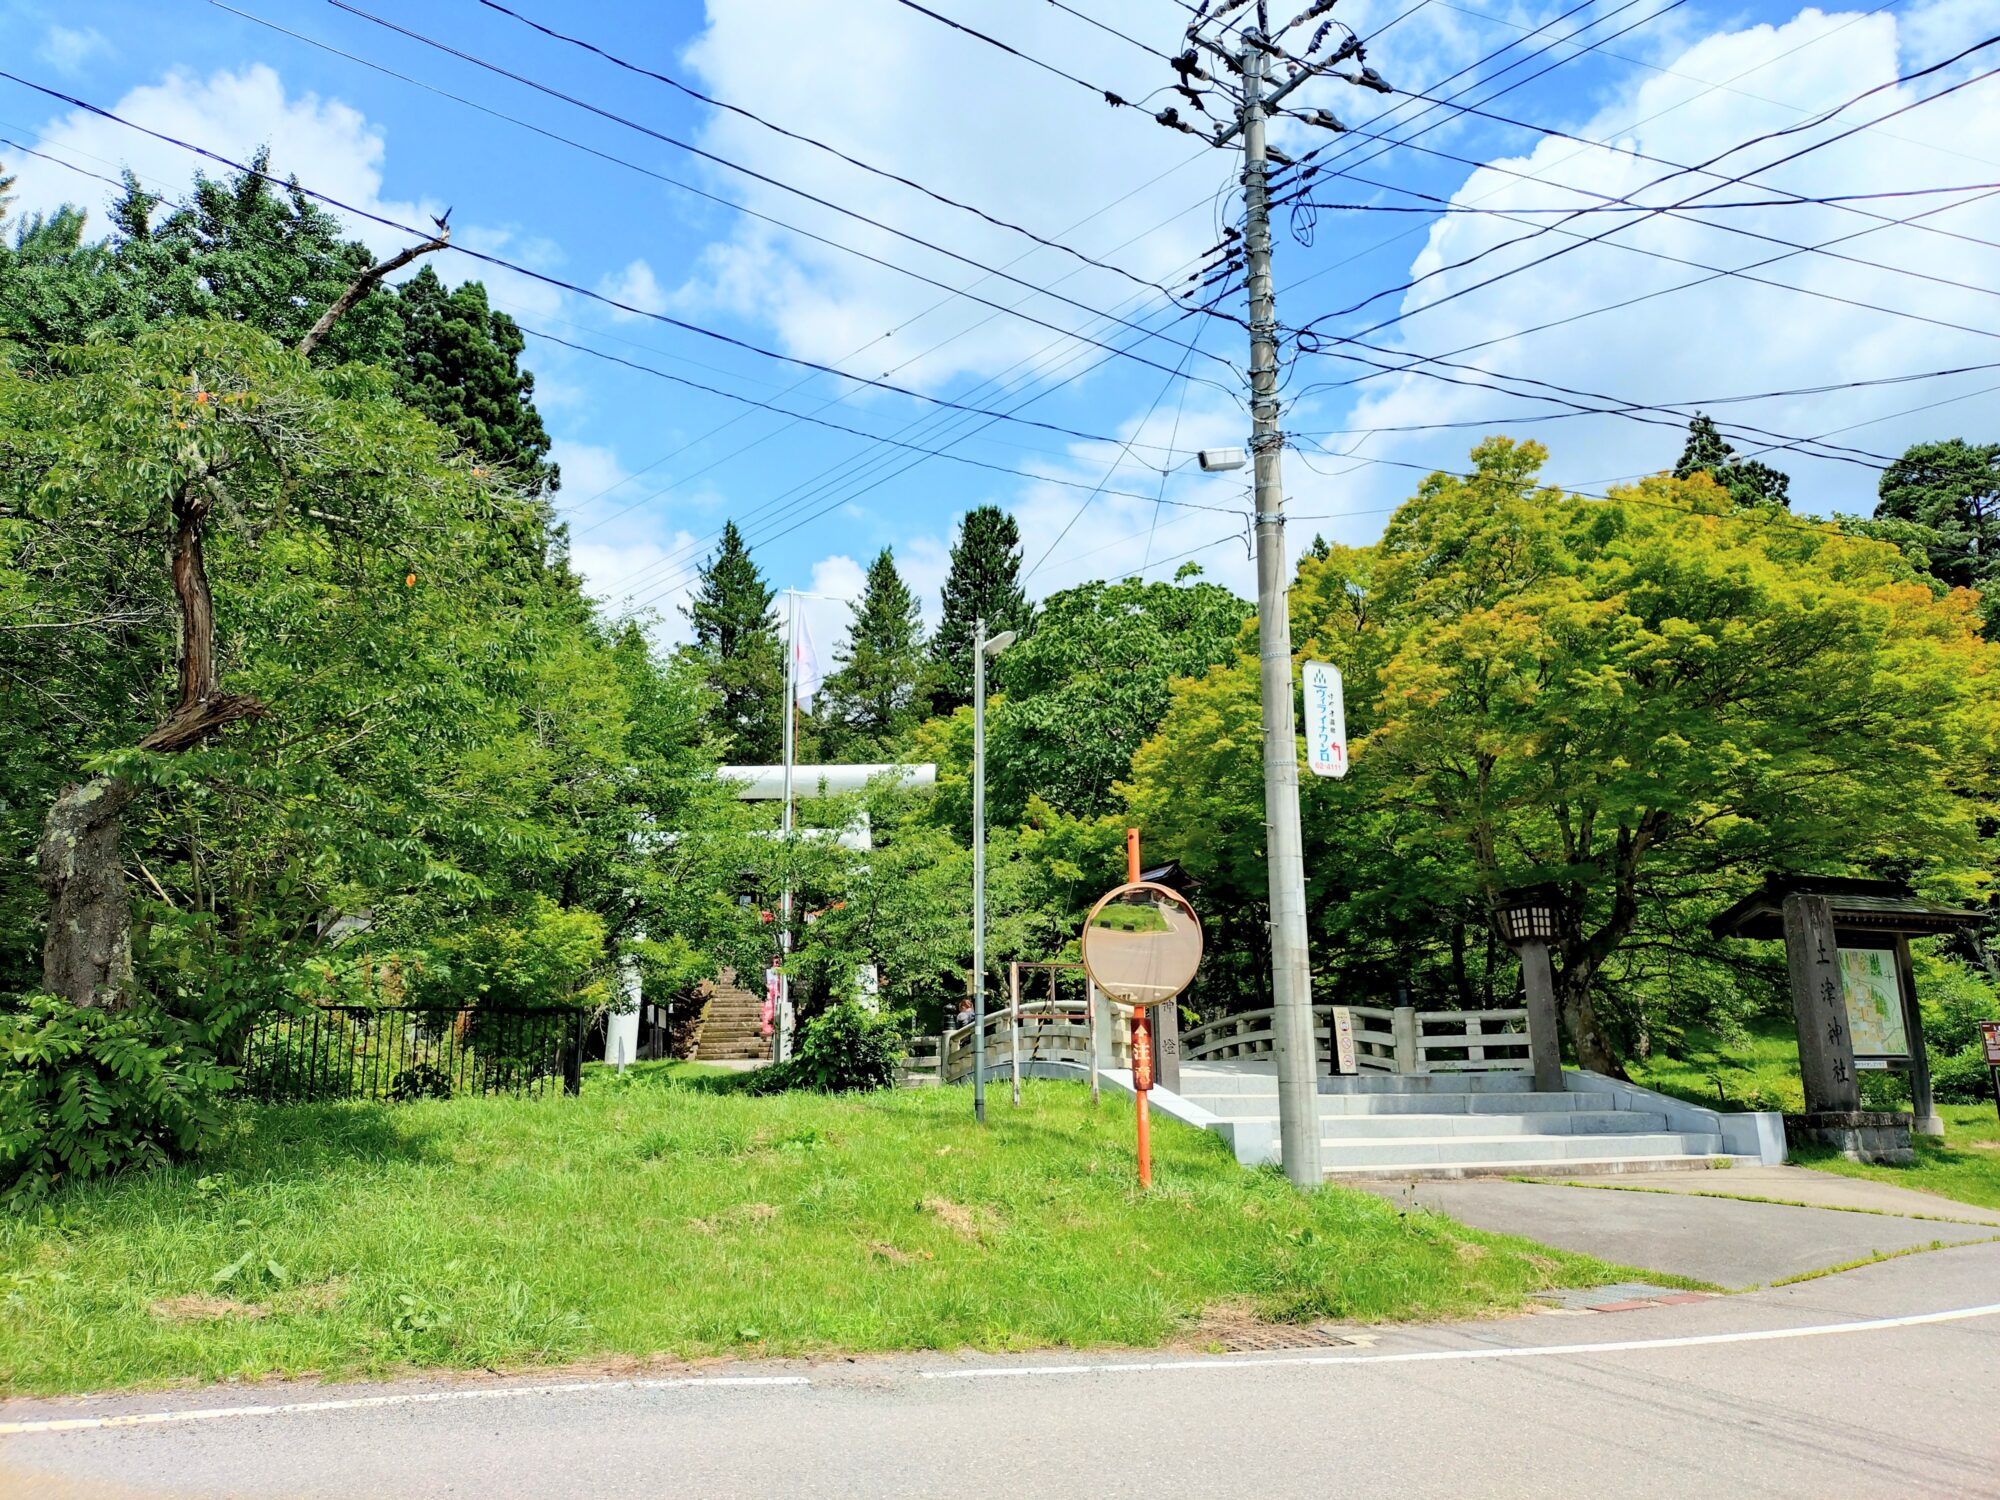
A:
(1528, 923)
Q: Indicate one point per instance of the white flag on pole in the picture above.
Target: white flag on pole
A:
(805, 663)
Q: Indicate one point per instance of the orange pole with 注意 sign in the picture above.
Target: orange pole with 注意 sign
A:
(1142, 1080)
(1142, 1039)
(1141, 945)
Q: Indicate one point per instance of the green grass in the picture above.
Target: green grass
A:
(1965, 1165)
(1762, 1072)
(1121, 918)
(674, 1216)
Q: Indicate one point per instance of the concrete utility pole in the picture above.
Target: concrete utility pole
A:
(781, 1013)
(979, 870)
(1291, 968)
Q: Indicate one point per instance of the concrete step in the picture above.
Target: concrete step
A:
(1564, 1122)
(1606, 1166)
(1342, 1154)
(1500, 1081)
(1237, 1106)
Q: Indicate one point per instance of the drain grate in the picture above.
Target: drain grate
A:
(1276, 1337)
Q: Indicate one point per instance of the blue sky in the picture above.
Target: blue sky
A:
(984, 317)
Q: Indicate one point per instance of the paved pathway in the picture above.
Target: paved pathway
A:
(1804, 1185)
(1876, 1382)
(1725, 1241)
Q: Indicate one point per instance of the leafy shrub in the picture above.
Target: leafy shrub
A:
(1961, 1077)
(424, 1080)
(88, 1092)
(846, 1049)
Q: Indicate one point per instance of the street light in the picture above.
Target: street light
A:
(981, 649)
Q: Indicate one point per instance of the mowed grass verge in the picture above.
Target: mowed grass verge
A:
(669, 1218)
(1763, 1069)
(1965, 1165)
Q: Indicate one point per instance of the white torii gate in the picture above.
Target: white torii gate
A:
(770, 784)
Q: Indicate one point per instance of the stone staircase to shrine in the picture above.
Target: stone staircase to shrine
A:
(732, 1025)
(1479, 1124)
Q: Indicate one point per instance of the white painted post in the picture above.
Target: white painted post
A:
(1090, 1003)
(1014, 1025)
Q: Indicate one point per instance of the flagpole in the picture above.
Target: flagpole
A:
(782, 1027)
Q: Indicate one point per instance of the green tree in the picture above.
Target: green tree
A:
(1748, 481)
(458, 361)
(1089, 685)
(1946, 497)
(1644, 702)
(735, 633)
(872, 701)
(247, 251)
(984, 583)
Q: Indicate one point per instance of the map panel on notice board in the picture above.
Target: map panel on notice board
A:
(1874, 1002)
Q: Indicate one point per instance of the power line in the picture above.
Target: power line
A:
(577, 505)
(1587, 47)
(1620, 205)
(706, 155)
(1446, 206)
(818, 145)
(1450, 360)
(1700, 403)
(674, 578)
(678, 576)
(904, 364)
(1835, 200)
(1114, 99)
(917, 426)
(554, 281)
(1820, 119)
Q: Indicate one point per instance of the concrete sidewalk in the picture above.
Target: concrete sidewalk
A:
(1723, 1241)
(1803, 1185)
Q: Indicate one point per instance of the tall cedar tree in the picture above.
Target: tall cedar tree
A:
(460, 366)
(872, 700)
(1951, 488)
(1748, 481)
(247, 251)
(984, 582)
(736, 631)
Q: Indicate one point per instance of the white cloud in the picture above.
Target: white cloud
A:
(1728, 336)
(965, 120)
(68, 48)
(635, 286)
(332, 147)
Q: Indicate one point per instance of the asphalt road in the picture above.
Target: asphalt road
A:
(1880, 1381)
(1724, 1241)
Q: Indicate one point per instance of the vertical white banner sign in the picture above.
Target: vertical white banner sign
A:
(1326, 720)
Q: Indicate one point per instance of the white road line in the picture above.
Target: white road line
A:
(1530, 1351)
(1216, 1362)
(400, 1398)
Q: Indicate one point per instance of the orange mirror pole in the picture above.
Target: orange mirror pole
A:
(1142, 1040)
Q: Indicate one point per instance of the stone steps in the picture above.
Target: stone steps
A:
(732, 1027)
(1340, 1153)
(1463, 1124)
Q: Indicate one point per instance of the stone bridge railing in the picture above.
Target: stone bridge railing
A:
(1387, 1039)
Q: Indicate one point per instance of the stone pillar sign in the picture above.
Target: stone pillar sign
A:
(1826, 1051)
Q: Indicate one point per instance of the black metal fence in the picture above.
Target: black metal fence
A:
(398, 1053)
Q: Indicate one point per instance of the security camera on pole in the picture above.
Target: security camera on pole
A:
(1251, 63)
